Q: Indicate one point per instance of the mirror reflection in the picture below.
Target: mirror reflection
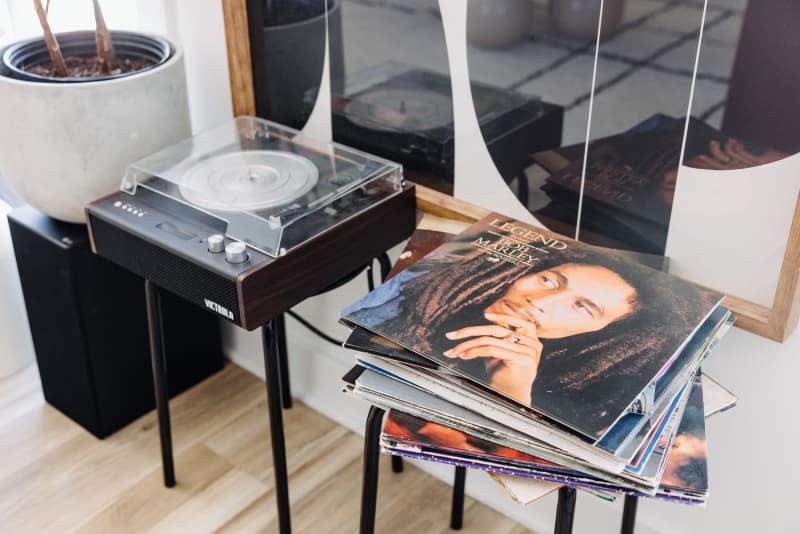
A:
(645, 65)
(546, 76)
(757, 119)
(517, 67)
(736, 182)
(287, 46)
(540, 53)
(394, 97)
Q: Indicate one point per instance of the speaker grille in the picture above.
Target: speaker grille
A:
(165, 269)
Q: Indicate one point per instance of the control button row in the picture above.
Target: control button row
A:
(130, 209)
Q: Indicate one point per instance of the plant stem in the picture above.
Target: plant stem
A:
(105, 48)
(53, 49)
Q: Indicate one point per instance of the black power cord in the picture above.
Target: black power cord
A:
(385, 264)
(314, 329)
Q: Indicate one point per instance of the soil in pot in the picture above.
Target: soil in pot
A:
(29, 60)
(282, 12)
(89, 67)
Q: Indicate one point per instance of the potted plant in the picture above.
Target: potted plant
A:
(78, 107)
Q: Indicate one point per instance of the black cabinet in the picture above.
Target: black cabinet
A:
(89, 327)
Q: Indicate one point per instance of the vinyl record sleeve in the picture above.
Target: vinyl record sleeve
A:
(685, 471)
(557, 326)
(626, 436)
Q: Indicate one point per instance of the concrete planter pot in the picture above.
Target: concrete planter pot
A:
(65, 143)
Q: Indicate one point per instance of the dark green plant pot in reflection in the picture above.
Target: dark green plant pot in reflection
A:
(577, 19)
(294, 35)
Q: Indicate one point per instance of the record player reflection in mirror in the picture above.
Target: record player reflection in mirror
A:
(406, 114)
(250, 218)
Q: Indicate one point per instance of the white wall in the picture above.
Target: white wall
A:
(198, 25)
(752, 447)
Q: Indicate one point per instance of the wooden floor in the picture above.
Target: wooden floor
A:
(56, 477)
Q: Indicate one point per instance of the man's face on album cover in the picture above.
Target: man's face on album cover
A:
(568, 299)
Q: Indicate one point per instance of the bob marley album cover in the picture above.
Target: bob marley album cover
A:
(573, 332)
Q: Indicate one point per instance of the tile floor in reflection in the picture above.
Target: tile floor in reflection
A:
(644, 66)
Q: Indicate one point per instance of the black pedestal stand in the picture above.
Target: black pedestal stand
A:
(89, 325)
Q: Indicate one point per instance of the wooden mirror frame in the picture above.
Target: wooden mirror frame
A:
(776, 322)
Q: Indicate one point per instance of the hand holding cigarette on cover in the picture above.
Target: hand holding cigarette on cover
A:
(512, 348)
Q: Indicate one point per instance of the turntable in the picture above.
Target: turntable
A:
(406, 114)
(247, 220)
(250, 218)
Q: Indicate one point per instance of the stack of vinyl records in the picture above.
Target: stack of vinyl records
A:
(517, 351)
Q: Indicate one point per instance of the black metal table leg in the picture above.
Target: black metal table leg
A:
(629, 514)
(565, 513)
(523, 188)
(397, 464)
(283, 365)
(457, 509)
(369, 485)
(159, 364)
(370, 279)
(386, 265)
(272, 371)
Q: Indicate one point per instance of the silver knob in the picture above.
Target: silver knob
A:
(236, 252)
(216, 243)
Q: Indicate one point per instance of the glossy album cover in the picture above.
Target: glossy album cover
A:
(571, 331)
(687, 462)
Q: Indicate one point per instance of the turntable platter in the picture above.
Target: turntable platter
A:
(248, 181)
(407, 109)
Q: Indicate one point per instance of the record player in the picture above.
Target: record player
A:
(251, 217)
(406, 114)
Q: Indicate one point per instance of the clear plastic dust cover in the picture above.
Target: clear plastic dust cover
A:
(274, 186)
